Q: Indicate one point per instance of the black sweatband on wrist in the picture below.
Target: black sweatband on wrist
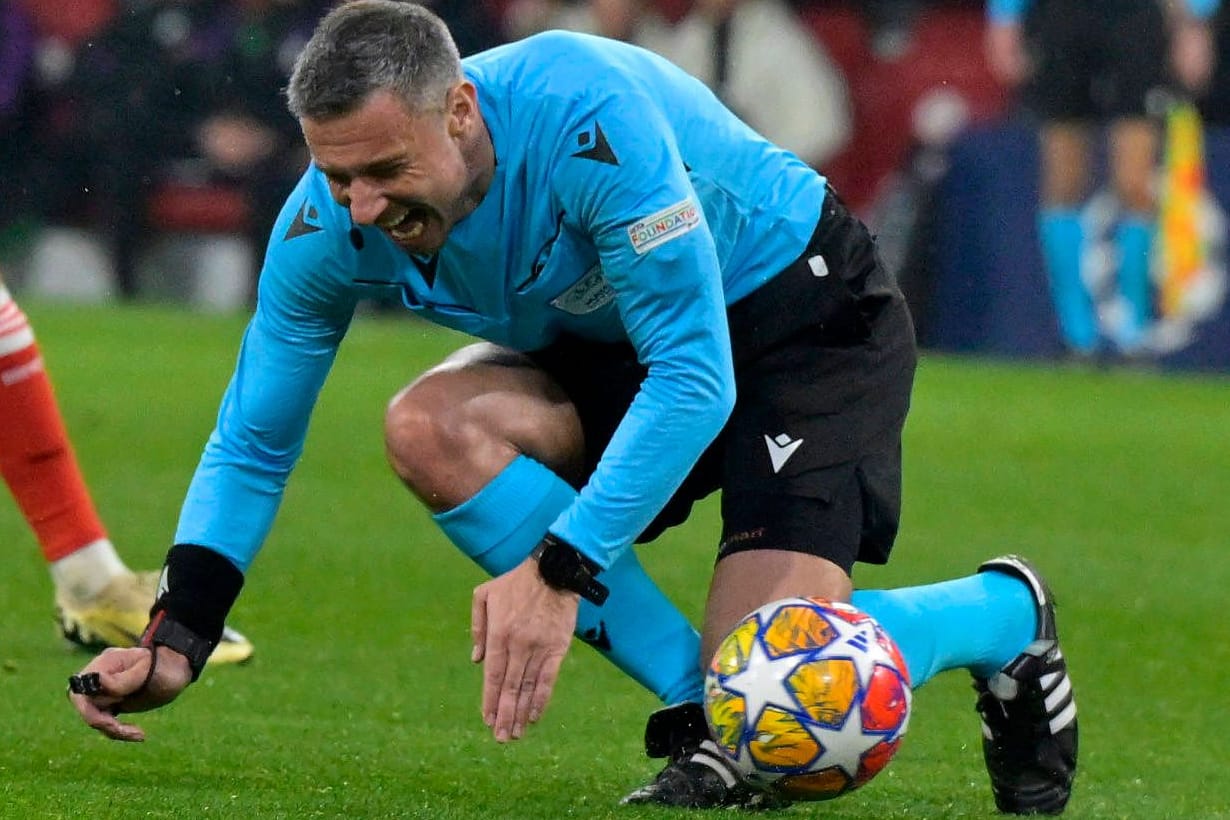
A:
(197, 590)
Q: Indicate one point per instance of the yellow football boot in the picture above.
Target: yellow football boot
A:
(117, 616)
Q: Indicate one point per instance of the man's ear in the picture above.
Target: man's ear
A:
(462, 108)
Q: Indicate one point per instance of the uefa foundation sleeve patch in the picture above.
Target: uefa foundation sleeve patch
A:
(660, 228)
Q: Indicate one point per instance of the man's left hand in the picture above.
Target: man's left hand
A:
(521, 629)
(125, 682)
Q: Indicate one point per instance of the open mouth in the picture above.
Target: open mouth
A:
(409, 226)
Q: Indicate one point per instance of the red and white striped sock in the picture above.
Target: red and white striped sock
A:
(38, 463)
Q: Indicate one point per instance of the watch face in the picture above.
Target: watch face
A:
(562, 567)
(556, 568)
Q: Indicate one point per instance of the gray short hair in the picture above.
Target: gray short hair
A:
(370, 45)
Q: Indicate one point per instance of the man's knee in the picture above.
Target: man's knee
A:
(449, 412)
(454, 428)
(424, 423)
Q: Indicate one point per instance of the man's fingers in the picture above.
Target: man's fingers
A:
(495, 662)
(129, 675)
(525, 629)
(97, 713)
(107, 681)
(109, 725)
(529, 693)
(478, 628)
(525, 696)
(505, 686)
(548, 674)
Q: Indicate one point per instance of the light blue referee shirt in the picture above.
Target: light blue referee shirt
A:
(627, 203)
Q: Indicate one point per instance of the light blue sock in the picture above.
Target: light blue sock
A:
(1063, 241)
(1134, 240)
(638, 628)
(977, 623)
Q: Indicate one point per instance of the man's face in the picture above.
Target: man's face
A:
(406, 173)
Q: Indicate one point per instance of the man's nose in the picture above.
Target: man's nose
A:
(367, 201)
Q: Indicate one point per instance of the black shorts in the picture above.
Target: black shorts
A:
(810, 459)
(1097, 60)
(1215, 102)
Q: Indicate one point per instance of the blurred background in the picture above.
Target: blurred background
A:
(145, 151)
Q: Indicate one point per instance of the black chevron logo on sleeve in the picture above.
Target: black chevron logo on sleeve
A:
(301, 226)
(594, 146)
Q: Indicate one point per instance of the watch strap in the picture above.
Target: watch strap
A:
(561, 566)
(166, 631)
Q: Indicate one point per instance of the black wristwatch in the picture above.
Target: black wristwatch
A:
(563, 567)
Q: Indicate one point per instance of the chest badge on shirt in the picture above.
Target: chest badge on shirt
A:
(667, 224)
(587, 294)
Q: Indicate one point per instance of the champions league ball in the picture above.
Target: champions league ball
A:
(808, 698)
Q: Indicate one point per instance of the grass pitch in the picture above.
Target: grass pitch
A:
(361, 701)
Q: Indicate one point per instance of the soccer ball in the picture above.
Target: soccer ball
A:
(808, 698)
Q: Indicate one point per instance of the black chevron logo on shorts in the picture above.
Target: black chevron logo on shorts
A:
(598, 148)
(301, 226)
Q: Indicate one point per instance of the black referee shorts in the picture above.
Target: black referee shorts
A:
(1097, 60)
(810, 459)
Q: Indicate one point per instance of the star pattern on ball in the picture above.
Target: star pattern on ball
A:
(846, 746)
(860, 642)
(761, 681)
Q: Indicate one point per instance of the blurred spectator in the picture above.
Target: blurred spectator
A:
(633, 21)
(178, 96)
(245, 136)
(757, 55)
(17, 44)
(1084, 65)
(766, 65)
(136, 97)
(889, 23)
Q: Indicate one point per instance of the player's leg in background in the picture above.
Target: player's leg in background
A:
(1065, 149)
(99, 600)
(41, 470)
(493, 447)
(1137, 80)
(1133, 146)
(1066, 43)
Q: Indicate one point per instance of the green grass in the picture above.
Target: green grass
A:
(361, 701)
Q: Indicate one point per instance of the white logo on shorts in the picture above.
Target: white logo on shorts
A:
(818, 266)
(781, 448)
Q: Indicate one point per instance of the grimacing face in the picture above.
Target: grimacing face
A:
(413, 175)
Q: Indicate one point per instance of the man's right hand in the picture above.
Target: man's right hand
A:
(125, 685)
